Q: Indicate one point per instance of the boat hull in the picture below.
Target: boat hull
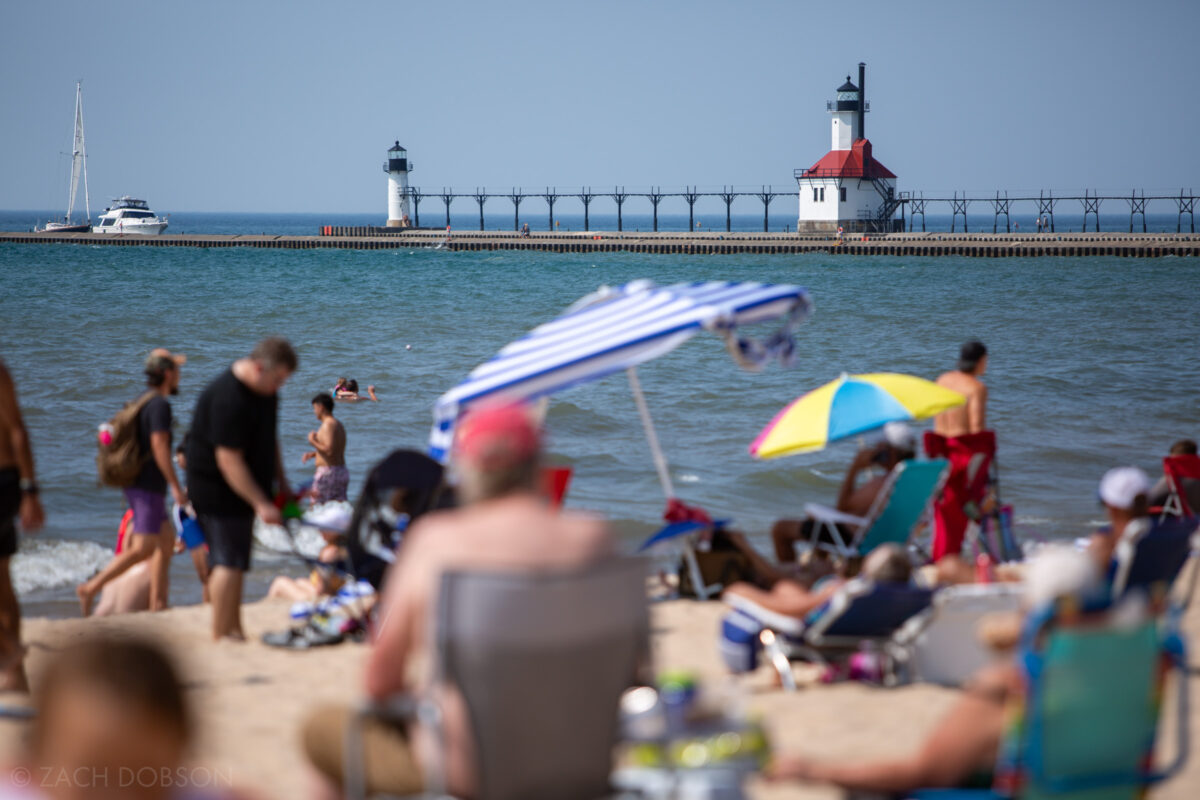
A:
(142, 228)
(60, 227)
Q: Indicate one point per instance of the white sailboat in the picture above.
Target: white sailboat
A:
(78, 164)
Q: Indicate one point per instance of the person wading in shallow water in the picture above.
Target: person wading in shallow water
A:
(18, 499)
(331, 478)
(971, 417)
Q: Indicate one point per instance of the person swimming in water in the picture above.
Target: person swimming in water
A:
(347, 391)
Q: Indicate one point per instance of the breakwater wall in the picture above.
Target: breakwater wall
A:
(980, 245)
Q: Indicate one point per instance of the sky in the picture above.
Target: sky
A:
(291, 106)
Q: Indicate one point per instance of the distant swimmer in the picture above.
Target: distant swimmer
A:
(972, 417)
(347, 391)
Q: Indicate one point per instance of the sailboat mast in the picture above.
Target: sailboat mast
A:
(87, 201)
(76, 156)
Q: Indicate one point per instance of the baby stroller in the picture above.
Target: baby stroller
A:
(397, 491)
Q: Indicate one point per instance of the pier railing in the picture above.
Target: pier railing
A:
(909, 204)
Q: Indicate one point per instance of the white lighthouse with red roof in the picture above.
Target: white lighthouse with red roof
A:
(847, 189)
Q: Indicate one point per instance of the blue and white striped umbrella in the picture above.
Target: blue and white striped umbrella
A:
(615, 329)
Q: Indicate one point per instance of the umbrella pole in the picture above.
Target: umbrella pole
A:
(660, 462)
(664, 478)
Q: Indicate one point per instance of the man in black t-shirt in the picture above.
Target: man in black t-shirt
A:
(152, 535)
(232, 461)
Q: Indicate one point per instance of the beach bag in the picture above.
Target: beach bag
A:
(119, 459)
(722, 564)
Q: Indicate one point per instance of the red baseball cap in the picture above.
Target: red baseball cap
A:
(497, 436)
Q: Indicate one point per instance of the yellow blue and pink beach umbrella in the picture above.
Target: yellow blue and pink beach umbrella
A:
(850, 405)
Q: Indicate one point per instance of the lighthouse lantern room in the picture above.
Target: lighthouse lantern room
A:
(847, 189)
(397, 169)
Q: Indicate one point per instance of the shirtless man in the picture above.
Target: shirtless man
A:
(971, 417)
(329, 442)
(504, 524)
(18, 498)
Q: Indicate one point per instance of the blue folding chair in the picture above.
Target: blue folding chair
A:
(1091, 711)
(897, 513)
(1152, 560)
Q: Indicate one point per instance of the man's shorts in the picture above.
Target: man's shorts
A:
(330, 483)
(149, 510)
(229, 539)
(10, 504)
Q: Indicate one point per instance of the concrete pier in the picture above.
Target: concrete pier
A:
(978, 245)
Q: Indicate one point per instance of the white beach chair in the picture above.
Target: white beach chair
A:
(940, 645)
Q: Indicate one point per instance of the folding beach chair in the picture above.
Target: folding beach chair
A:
(861, 611)
(971, 458)
(541, 660)
(1086, 727)
(898, 511)
(940, 644)
(1153, 558)
(555, 482)
(1177, 469)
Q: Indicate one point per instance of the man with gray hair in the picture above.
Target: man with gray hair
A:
(233, 459)
(505, 524)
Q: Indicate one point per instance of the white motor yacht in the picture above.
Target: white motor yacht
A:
(129, 215)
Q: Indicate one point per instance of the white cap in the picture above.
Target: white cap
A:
(899, 436)
(1120, 487)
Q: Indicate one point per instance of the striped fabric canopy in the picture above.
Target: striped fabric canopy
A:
(610, 330)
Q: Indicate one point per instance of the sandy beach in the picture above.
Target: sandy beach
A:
(251, 698)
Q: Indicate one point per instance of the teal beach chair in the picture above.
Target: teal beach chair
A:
(897, 513)
(1090, 716)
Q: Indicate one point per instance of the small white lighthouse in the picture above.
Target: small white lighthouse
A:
(847, 188)
(397, 169)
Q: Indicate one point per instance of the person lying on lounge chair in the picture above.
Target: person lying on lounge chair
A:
(961, 749)
(888, 563)
(897, 444)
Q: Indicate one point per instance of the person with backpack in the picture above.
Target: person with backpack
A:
(147, 421)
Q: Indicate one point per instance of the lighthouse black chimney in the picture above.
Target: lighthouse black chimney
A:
(862, 100)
